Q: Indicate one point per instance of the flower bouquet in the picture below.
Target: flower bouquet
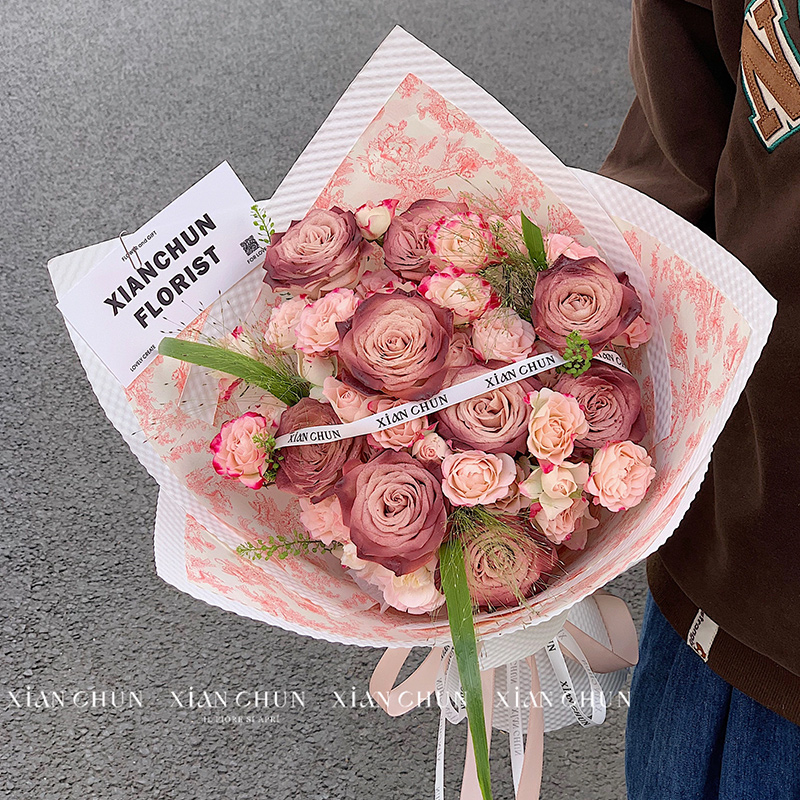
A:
(458, 396)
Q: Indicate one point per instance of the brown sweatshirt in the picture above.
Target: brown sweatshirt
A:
(711, 135)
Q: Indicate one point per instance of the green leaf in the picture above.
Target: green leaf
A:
(286, 388)
(462, 630)
(532, 236)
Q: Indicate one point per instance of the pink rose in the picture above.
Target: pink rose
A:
(236, 454)
(348, 403)
(556, 420)
(556, 488)
(397, 437)
(383, 281)
(513, 502)
(415, 592)
(395, 511)
(373, 220)
(466, 295)
(405, 244)
(320, 252)
(316, 327)
(323, 520)
(430, 449)
(504, 569)
(281, 330)
(396, 344)
(502, 335)
(495, 422)
(463, 241)
(620, 475)
(636, 334)
(570, 526)
(611, 402)
(558, 244)
(584, 296)
(475, 478)
(311, 470)
(460, 353)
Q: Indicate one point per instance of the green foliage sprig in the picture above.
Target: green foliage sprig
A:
(281, 547)
(265, 226)
(281, 383)
(578, 355)
(272, 461)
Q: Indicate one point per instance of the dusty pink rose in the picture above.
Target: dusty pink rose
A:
(430, 449)
(555, 489)
(374, 219)
(323, 520)
(318, 253)
(466, 295)
(281, 330)
(502, 335)
(405, 244)
(555, 422)
(311, 470)
(570, 526)
(415, 592)
(236, 455)
(474, 478)
(504, 569)
(584, 296)
(636, 334)
(396, 344)
(348, 403)
(396, 437)
(621, 473)
(495, 422)
(463, 241)
(383, 281)
(558, 244)
(611, 402)
(460, 353)
(395, 511)
(316, 327)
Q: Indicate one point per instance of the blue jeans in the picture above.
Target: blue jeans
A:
(691, 736)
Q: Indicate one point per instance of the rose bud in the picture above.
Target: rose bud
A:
(321, 252)
(395, 511)
(555, 422)
(583, 296)
(311, 470)
(466, 295)
(504, 566)
(570, 527)
(475, 478)
(396, 344)
(405, 244)
(495, 422)
(611, 402)
(373, 220)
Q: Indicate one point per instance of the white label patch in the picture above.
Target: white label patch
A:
(157, 281)
(701, 634)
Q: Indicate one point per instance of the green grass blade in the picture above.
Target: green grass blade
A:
(289, 389)
(532, 236)
(462, 629)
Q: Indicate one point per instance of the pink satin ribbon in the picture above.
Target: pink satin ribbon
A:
(417, 688)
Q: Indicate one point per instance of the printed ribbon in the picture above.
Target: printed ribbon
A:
(438, 674)
(503, 376)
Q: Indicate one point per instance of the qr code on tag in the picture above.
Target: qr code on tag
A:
(249, 245)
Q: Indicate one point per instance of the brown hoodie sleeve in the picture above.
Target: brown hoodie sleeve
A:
(711, 135)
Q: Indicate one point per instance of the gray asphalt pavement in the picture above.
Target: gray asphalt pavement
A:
(108, 111)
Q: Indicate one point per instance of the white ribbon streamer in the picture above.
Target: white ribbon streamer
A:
(559, 665)
(512, 373)
(516, 743)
